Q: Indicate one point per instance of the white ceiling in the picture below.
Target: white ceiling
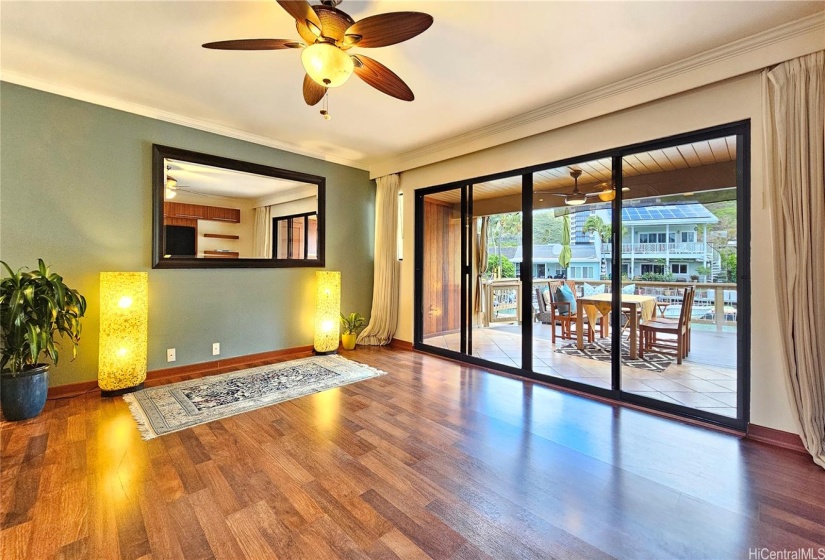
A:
(481, 62)
(216, 181)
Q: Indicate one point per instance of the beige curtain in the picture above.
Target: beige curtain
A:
(480, 267)
(794, 102)
(387, 275)
(262, 233)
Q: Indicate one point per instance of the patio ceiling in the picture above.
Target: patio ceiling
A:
(697, 155)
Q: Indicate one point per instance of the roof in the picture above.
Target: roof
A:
(550, 253)
(691, 212)
(507, 252)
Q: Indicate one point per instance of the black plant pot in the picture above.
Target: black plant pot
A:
(23, 395)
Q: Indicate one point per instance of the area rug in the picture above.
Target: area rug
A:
(601, 349)
(177, 406)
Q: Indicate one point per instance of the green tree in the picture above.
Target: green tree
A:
(547, 228)
(729, 263)
(505, 229)
(508, 269)
(595, 224)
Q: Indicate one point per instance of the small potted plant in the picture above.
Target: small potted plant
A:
(350, 327)
(36, 308)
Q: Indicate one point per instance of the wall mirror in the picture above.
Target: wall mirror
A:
(216, 212)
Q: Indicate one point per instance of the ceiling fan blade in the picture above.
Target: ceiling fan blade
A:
(254, 45)
(382, 78)
(313, 91)
(551, 193)
(305, 33)
(303, 13)
(387, 29)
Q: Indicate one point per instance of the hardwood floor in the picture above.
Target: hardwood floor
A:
(436, 459)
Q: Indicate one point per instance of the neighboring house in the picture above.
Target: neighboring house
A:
(661, 239)
(584, 264)
(666, 239)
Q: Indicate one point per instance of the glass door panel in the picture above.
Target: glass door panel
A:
(496, 253)
(679, 248)
(441, 270)
(571, 260)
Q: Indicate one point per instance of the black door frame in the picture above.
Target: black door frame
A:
(740, 129)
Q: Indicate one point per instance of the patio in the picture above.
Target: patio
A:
(706, 379)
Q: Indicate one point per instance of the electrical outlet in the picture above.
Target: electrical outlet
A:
(170, 355)
(216, 349)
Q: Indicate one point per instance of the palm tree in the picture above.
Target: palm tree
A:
(604, 231)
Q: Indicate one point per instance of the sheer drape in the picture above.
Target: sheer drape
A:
(480, 299)
(262, 233)
(387, 275)
(795, 134)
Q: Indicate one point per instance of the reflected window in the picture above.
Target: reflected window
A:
(296, 237)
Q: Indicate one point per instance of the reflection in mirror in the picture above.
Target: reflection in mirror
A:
(220, 212)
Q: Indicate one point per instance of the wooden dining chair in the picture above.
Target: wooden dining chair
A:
(651, 332)
(560, 313)
(673, 320)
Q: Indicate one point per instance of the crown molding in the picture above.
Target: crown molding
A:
(797, 38)
(166, 116)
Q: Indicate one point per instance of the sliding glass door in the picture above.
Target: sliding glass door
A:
(571, 241)
(622, 274)
(680, 244)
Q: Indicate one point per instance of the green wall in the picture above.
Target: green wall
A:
(75, 190)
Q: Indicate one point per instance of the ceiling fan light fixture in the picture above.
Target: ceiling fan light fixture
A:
(170, 194)
(607, 195)
(171, 183)
(575, 199)
(327, 65)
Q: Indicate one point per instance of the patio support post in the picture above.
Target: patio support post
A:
(667, 248)
(719, 306)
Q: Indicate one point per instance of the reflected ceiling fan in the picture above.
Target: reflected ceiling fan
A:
(606, 193)
(328, 34)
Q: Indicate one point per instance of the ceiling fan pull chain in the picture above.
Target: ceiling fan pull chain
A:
(325, 110)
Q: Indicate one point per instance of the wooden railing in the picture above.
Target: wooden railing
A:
(715, 296)
(504, 298)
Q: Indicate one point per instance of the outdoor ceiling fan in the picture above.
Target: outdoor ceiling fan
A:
(577, 197)
(328, 34)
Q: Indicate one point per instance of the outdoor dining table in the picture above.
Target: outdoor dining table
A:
(601, 304)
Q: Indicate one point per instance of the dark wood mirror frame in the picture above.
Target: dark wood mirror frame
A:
(161, 153)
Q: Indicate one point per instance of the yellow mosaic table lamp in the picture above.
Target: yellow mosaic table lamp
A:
(327, 312)
(124, 322)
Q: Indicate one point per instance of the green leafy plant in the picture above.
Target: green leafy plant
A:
(36, 308)
(352, 323)
(656, 277)
(508, 269)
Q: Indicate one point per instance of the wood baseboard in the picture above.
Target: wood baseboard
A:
(400, 344)
(217, 365)
(202, 368)
(71, 390)
(777, 438)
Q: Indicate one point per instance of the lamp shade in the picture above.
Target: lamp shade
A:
(327, 65)
(124, 326)
(327, 311)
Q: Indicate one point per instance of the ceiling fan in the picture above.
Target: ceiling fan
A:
(328, 34)
(577, 197)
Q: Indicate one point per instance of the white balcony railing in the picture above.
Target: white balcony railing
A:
(693, 248)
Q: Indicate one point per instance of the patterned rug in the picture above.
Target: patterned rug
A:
(600, 350)
(177, 406)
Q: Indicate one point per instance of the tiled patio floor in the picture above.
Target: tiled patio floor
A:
(706, 380)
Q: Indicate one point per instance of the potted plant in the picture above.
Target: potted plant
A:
(36, 308)
(350, 327)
